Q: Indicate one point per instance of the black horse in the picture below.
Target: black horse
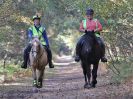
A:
(90, 54)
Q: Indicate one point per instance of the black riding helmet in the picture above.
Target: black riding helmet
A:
(89, 11)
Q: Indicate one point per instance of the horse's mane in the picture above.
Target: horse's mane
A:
(88, 39)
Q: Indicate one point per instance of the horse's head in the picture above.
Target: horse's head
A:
(36, 45)
(90, 34)
(89, 37)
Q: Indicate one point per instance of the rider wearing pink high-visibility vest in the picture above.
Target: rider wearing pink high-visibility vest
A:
(91, 25)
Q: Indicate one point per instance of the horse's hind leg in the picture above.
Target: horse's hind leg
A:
(94, 75)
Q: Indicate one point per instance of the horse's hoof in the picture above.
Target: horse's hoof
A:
(34, 83)
(39, 85)
(87, 86)
(93, 85)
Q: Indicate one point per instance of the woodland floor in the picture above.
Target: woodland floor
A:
(66, 81)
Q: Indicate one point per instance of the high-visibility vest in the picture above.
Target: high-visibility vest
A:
(85, 26)
(38, 34)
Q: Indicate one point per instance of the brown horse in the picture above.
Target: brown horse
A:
(38, 61)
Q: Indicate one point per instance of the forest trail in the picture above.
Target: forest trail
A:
(66, 81)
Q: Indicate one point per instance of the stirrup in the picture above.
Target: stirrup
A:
(24, 66)
(103, 59)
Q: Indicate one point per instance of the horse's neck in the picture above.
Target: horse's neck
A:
(41, 49)
(88, 44)
(89, 41)
(91, 38)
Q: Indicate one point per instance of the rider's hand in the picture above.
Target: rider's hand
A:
(86, 31)
(95, 30)
(90, 31)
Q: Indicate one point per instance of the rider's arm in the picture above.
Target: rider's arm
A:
(45, 38)
(99, 27)
(30, 34)
(81, 28)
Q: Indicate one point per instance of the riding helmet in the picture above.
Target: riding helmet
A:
(36, 17)
(89, 11)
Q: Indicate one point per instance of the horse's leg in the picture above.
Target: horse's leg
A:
(94, 75)
(40, 78)
(88, 67)
(34, 77)
(89, 73)
(85, 74)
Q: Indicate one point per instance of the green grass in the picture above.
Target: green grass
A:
(9, 70)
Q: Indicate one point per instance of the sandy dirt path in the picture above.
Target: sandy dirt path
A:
(66, 81)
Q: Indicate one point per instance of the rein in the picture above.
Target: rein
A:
(33, 51)
(37, 52)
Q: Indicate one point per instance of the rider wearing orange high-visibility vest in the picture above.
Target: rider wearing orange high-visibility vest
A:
(37, 30)
(91, 25)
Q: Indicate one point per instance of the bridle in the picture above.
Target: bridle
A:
(37, 52)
